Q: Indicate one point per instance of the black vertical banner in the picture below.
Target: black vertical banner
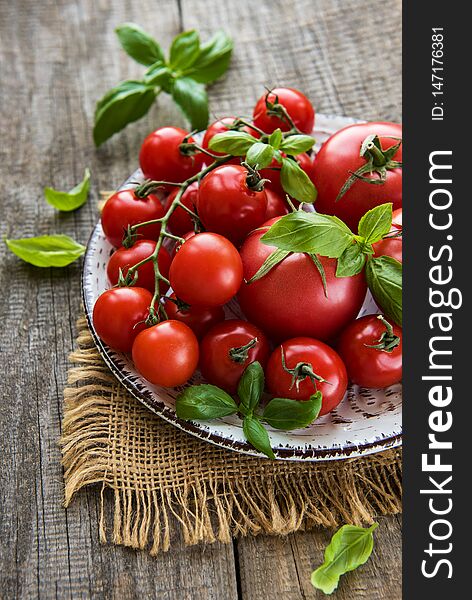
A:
(437, 244)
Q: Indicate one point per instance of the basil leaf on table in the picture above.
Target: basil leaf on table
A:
(184, 50)
(192, 100)
(260, 155)
(376, 223)
(213, 59)
(47, 250)
(296, 182)
(384, 278)
(236, 143)
(286, 414)
(296, 144)
(350, 547)
(251, 387)
(67, 201)
(351, 262)
(204, 402)
(160, 75)
(257, 435)
(139, 44)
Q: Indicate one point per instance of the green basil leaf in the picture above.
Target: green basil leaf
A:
(127, 102)
(67, 201)
(236, 143)
(213, 60)
(309, 232)
(184, 50)
(47, 250)
(351, 261)
(193, 101)
(257, 435)
(296, 144)
(204, 402)
(275, 139)
(296, 182)
(286, 414)
(259, 155)
(270, 262)
(384, 278)
(376, 223)
(319, 265)
(250, 387)
(160, 75)
(139, 44)
(350, 547)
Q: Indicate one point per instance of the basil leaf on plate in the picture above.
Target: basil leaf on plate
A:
(286, 414)
(257, 435)
(67, 201)
(251, 387)
(350, 547)
(47, 250)
(184, 50)
(213, 59)
(232, 142)
(351, 261)
(296, 144)
(384, 278)
(296, 182)
(376, 223)
(139, 44)
(260, 155)
(193, 101)
(204, 402)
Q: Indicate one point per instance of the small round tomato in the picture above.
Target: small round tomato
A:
(206, 271)
(392, 244)
(124, 208)
(272, 173)
(161, 158)
(180, 221)
(267, 115)
(119, 315)
(166, 354)
(228, 348)
(371, 348)
(276, 206)
(124, 258)
(199, 318)
(231, 202)
(300, 367)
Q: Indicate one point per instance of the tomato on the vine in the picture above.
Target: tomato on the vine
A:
(371, 348)
(180, 220)
(161, 157)
(276, 205)
(124, 258)
(267, 115)
(228, 348)
(232, 202)
(302, 366)
(123, 209)
(206, 270)
(199, 318)
(119, 315)
(166, 354)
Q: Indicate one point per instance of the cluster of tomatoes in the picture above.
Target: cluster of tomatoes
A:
(301, 329)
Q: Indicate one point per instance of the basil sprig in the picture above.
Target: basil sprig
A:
(210, 402)
(384, 278)
(47, 250)
(189, 67)
(67, 201)
(350, 547)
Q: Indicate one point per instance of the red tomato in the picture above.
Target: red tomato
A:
(310, 366)
(397, 219)
(371, 367)
(222, 126)
(228, 205)
(123, 209)
(272, 173)
(161, 159)
(166, 354)
(206, 271)
(339, 158)
(296, 104)
(290, 300)
(391, 246)
(124, 258)
(199, 318)
(180, 221)
(119, 315)
(276, 206)
(228, 348)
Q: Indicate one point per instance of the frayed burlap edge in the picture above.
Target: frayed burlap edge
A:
(250, 496)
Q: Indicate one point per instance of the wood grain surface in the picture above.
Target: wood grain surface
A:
(56, 58)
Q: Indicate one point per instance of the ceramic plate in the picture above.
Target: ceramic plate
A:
(366, 421)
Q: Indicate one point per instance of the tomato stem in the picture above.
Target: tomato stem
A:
(240, 354)
(301, 371)
(388, 341)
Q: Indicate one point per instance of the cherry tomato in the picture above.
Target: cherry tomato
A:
(290, 300)
(199, 318)
(228, 348)
(206, 271)
(119, 315)
(229, 205)
(391, 246)
(339, 158)
(161, 158)
(124, 258)
(276, 206)
(180, 221)
(123, 209)
(367, 366)
(302, 366)
(296, 104)
(222, 126)
(166, 354)
(272, 173)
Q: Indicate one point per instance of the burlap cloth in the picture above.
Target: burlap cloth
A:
(161, 477)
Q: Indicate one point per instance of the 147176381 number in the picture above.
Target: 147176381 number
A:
(437, 72)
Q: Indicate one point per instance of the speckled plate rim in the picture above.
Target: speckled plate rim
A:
(147, 398)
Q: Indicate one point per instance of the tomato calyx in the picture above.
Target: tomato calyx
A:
(240, 354)
(127, 280)
(388, 341)
(181, 305)
(301, 371)
(275, 109)
(378, 162)
(254, 181)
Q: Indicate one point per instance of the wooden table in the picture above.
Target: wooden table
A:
(57, 58)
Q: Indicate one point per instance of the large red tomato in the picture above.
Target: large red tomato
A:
(296, 104)
(180, 221)
(290, 300)
(339, 157)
